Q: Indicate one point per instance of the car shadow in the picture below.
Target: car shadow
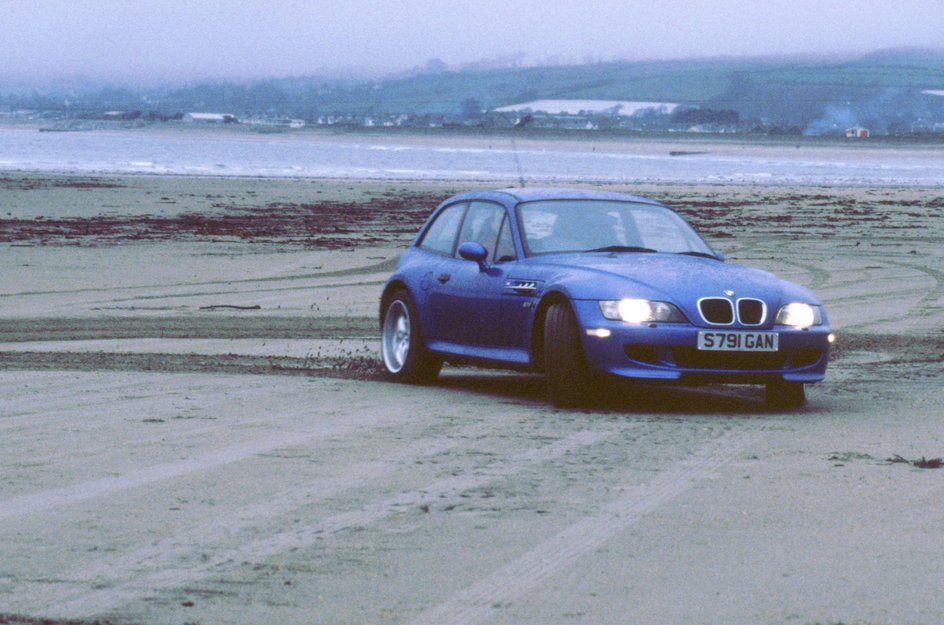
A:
(615, 395)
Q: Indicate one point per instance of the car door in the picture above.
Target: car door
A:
(465, 300)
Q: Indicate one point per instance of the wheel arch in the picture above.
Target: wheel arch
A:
(392, 287)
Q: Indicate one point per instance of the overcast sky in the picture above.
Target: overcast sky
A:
(152, 41)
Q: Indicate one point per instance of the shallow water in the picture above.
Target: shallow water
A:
(222, 153)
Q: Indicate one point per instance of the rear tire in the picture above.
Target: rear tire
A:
(405, 358)
(565, 368)
(785, 394)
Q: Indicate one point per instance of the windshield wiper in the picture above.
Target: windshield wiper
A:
(699, 255)
(622, 248)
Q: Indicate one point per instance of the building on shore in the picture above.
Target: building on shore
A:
(210, 118)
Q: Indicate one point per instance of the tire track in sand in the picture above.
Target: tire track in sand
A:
(531, 570)
(87, 603)
(917, 300)
(43, 501)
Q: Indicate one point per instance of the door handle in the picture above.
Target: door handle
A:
(443, 278)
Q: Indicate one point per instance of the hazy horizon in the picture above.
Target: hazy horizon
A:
(171, 41)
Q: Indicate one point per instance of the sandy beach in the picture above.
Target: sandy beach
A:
(196, 430)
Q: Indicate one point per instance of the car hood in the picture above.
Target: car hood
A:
(676, 278)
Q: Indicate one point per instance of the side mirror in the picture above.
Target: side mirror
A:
(476, 252)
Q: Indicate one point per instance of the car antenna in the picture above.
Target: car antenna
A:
(514, 150)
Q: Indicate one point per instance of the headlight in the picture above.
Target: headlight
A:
(640, 311)
(799, 315)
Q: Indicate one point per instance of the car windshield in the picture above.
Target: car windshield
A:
(560, 226)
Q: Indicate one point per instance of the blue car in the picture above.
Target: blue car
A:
(585, 284)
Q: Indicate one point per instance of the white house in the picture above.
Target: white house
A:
(600, 107)
(209, 118)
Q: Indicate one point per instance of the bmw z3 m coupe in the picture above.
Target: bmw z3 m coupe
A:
(582, 285)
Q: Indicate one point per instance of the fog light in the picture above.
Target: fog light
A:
(831, 338)
(600, 333)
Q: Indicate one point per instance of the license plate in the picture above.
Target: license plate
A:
(738, 341)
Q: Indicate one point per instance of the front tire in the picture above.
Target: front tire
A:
(565, 368)
(783, 394)
(405, 358)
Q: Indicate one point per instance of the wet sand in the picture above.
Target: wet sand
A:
(195, 429)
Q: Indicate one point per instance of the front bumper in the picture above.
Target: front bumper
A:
(668, 351)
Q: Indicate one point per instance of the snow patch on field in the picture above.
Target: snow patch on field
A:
(626, 108)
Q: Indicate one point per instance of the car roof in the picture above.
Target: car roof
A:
(515, 195)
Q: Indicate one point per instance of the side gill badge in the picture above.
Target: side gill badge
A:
(521, 287)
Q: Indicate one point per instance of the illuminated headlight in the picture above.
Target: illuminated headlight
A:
(799, 315)
(640, 311)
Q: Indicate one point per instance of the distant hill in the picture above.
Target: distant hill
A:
(905, 56)
(785, 90)
(788, 91)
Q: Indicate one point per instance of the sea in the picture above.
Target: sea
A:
(504, 161)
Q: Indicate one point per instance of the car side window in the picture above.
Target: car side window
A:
(482, 224)
(440, 237)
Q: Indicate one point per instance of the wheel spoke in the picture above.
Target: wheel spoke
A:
(403, 329)
(402, 338)
(401, 351)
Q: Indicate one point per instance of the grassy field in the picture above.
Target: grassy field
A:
(787, 89)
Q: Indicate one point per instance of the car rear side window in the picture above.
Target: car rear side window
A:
(506, 244)
(441, 235)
